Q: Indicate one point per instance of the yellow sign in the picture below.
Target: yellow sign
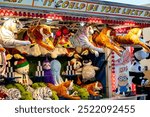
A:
(88, 7)
(83, 7)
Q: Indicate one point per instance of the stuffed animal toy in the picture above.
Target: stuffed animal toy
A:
(57, 52)
(81, 92)
(131, 38)
(21, 72)
(3, 92)
(13, 52)
(81, 39)
(25, 95)
(3, 63)
(136, 70)
(56, 68)
(103, 39)
(62, 38)
(13, 94)
(63, 89)
(93, 88)
(38, 34)
(42, 93)
(88, 70)
(3, 95)
(48, 77)
(33, 51)
(7, 34)
(7, 38)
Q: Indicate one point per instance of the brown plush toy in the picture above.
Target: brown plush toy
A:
(39, 34)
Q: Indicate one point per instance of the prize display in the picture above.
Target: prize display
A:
(47, 55)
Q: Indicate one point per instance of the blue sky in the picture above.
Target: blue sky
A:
(134, 2)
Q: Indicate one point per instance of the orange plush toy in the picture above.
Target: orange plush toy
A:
(94, 88)
(63, 89)
(132, 38)
(103, 39)
(2, 49)
(39, 34)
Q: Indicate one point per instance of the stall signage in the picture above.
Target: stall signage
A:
(94, 8)
(122, 66)
(17, 2)
(82, 7)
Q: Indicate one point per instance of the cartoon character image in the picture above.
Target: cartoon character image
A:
(123, 85)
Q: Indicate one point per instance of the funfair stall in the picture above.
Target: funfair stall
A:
(68, 49)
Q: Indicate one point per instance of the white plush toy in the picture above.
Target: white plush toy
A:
(88, 70)
(7, 34)
(57, 52)
(8, 39)
(21, 72)
(81, 39)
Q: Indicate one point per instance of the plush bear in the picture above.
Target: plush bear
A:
(88, 70)
(136, 70)
(21, 72)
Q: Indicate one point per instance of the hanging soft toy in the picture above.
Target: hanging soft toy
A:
(40, 34)
(81, 39)
(8, 39)
(7, 34)
(48, 77)
(62, 37)
(21, 72)
(136, 70)
(131, 38)
(56, 68)
(103, 39)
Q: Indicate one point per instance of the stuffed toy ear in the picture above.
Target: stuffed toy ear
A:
(66, 80)
(15, 63)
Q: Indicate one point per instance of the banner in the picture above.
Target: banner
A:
(84, 7)
(122, 65)
(17, 2)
